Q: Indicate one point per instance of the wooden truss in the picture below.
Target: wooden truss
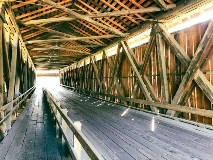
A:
(17, 74)
(193, 71)
(159, 37)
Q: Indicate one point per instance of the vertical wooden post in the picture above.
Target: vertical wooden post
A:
(6, 41)
(2, 126)
(18, 74)
(12, 78)
(162, 69)
(26, 75)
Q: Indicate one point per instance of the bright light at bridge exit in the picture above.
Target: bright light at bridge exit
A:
(47, 78)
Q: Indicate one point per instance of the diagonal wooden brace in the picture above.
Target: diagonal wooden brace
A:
(200, 78)
(135, 68)
(193, 71)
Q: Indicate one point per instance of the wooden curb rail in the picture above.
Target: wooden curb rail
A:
(61, 116)
(186, 109)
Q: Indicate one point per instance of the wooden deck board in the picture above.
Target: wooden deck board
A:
(130, 136)
(33, 134)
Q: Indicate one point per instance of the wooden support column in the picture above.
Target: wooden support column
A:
(85, 76)
(34, 78)
(2, 126)
(135, 68)
(12, 77)
(91, 76)
(26, 76)
(6, 41)
(18, 74)
(162, 69)
(17, 78)
(82, 77)
(30, 77)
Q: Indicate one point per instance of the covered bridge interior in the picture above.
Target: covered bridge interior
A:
(136, 79)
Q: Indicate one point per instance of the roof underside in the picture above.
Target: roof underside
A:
(58, 33)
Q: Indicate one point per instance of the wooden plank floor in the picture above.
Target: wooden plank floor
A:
(33, 134)
(135, 135)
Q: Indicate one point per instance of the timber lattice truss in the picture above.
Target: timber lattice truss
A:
(144, 74)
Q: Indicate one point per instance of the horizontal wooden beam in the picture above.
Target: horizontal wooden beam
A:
(82, 46)
(49, 20)
(59, 48)
(7, 0)
(59, 33)
(62, 55)
(71, 39)
(54, 58)
(185, 109)
(65, 46)
(97, 15)
(61, 61)
(51, 65)
(49, 61)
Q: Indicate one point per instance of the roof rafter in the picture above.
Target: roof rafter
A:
(23, 4)
(40, 12)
